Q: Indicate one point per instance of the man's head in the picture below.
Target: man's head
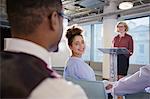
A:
(39, 21)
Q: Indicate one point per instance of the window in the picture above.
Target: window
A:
(141, 48)
(93, 40)
(97, 42)
(87, 38)
(139, 29)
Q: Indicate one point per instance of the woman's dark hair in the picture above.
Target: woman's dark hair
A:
(72, 32)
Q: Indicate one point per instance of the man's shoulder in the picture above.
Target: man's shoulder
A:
(18, 56)
(21, 61)
(145, 71)
(12, 53)
(57, 89)
(23, 72)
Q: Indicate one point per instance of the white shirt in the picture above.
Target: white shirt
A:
(134, 83)
(49, 88)
(20, 45)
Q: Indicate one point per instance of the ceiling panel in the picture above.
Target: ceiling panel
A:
(80, 8)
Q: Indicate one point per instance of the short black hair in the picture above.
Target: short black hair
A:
(26, 15)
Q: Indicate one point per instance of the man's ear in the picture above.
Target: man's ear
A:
(53, 19)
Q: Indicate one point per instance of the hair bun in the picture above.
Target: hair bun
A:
(73, 31)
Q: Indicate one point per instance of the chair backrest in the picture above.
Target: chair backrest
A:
(93, 89)
(141, 95)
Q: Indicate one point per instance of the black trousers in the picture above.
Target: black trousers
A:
(122, 64)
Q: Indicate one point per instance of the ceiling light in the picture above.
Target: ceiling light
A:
(125, 5)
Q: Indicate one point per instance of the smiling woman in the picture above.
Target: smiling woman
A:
(76, 68)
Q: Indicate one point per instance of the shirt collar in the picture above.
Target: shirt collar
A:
(20, 45)
(78, 58)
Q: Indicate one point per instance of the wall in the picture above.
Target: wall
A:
(60, 58)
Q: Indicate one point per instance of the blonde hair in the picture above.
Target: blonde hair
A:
(125, 25)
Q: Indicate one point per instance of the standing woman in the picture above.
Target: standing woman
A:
(76, 67)
(123, 40)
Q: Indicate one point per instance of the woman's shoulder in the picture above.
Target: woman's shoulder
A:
(116, 36)
(77, 61)
(74, 60)
(128, 35)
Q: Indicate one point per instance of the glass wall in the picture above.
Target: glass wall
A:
(98, 34)
(93, 40)
(139, 28)
(87, 38)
